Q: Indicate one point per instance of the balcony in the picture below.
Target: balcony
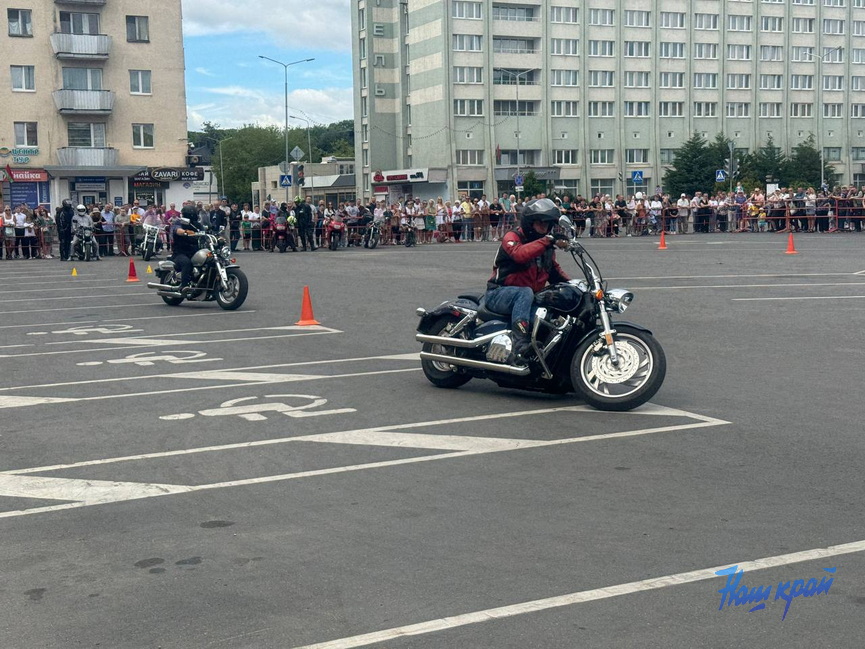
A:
(81, 46)
(86, 3)
(86, 157)
(84, 102)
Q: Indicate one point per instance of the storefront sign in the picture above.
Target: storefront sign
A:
(31, 193)
(89, 184)
(401, 176)
(20, 155)
(169, 174)
(30, 175)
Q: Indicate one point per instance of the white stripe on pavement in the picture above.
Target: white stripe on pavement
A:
(30, 325)
(818, 297)
(580, 597)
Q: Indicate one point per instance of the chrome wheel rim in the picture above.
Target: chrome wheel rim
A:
(635, 368)
(229, 294)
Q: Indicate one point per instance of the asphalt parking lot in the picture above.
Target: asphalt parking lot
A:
(189, 477)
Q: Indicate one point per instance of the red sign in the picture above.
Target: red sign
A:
(30, 175)
(397, 177)
(377, 177)
(379, 189)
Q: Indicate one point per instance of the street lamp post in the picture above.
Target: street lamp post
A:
(309, 146)
(820, 108)
(517, 75)
(285, 68)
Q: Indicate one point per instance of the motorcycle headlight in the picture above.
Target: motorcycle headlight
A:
(619, 299)
(225, 253)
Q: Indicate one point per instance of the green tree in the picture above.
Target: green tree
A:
(803, 166)
(766, 162)
(532, 186)
(693, 169)
(242, 154)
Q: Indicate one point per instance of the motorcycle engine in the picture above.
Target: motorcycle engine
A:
(500, 348)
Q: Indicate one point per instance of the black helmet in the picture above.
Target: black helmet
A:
(543, 210)
(67, 202)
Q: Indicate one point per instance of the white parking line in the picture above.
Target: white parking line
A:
(39, 289)
(149, 317)
(745, 276)
(78, 297)
(818, 297)
(91, 307)
(580, 597)
(695, 286)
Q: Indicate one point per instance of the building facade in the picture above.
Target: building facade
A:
(587, 92)
(93, 101)
(332, 180)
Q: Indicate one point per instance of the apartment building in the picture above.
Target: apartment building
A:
(93, 101)
(462, 95)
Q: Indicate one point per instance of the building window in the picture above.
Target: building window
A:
(833, 55)
(805, 2)
(364, 110)
(78, 23)
(601, 48)
(564, 78)
(86, 134)
(466, 43)
(705, 109)
(566, 157)
(364, 132)
(672, 50)
(771, 24)
(467, 10)
(23, 78)
(526, 157)
(738, 52)
(507, 107)
(471, 188)
(705, 80)
(800, 53)
(466, 74)
(603, 186)
(513, 77)
(803, 25)
(672, 79)
(858, 153)
(833, 26)
(470, 157)
(672, 20)
(801, 110)
(833, 110)
(737, 23)
(770, 109)
(705, 50)
(603, 156)
(857, 111)
(667, 156)
(636, 156)
(20, 22)
(518, 14)
(601, 17)
(859, 28)
(138, 29)
(564, 15)
(82, 78)
(636, 109)
(25, 134)
(858, 82)
(771, 82)
(565, 109)
(636, 49)
(139, 82)
(468, 107)
(832, 153)
(635, 79)
(565, 46)
(738, 81)
(142, 136)
(738, 109)
(601, 78)
(706, 22)
(513, 45)
(601, 109)
(771, 53)
(833, 82)
(671, 109)
(858, 55)
(634, 18)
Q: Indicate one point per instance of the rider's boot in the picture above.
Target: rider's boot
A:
(522, 342)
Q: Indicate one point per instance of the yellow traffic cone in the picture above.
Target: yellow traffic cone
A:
(74, 273)
(149, 270)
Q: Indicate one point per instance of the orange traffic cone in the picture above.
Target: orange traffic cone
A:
(663, 245)
(791, 247)
(133, 276)
(306, 316)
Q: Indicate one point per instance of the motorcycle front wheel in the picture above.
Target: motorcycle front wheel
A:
(443, 375)
(373, 240)
(231, 297)
(638, 376)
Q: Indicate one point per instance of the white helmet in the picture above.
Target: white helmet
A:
(639, 196)
(81, 209)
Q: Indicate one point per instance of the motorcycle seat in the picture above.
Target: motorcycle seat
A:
(485, 314)
(474, 297)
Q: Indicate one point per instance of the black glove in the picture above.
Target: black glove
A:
(559, 237)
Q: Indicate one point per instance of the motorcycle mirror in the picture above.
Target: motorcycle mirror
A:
(566, 223)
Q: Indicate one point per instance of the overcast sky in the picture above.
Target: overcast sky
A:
(227, 84)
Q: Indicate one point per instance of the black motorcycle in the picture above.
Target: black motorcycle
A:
(575, 344)
(85, 248)
(372, 235)
(215, 276)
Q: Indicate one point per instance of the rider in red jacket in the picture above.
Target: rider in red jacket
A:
(525, 263)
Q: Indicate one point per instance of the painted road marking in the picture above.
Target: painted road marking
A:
(330, 361)
(252, 411)
(819, 297)
(9, 401)
(472, 446)
(146, 359)
(76, 297)
(86, 492)
(655, 583)
(150, 317)
(84, 330)
(746, 276)
(101, 307)
(670, 288)
(111, 329)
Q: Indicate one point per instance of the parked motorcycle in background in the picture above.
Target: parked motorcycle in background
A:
(152, 243)
(334, 231)
(575, 344)
(372, 235)
(84, 245)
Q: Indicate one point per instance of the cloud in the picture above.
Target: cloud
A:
(234, 106)
(323, 25)
(205, 72)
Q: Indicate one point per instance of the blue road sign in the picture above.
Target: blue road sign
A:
(285, 180)
(637, 177)
(720, 176)
(518, 180)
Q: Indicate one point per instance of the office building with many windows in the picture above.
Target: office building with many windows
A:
(92, 101)
(460, 96)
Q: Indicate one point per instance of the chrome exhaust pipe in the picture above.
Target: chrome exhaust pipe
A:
(459, 342)
(478, 365)
(169, 294)
(160, 287)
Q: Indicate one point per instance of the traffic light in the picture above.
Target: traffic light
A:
(299, 172)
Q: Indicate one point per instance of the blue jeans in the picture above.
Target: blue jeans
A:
(516, 300)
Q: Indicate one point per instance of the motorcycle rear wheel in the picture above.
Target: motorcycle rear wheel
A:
(640, 373)
(443, 375)
(170, 277)
(234, 295)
